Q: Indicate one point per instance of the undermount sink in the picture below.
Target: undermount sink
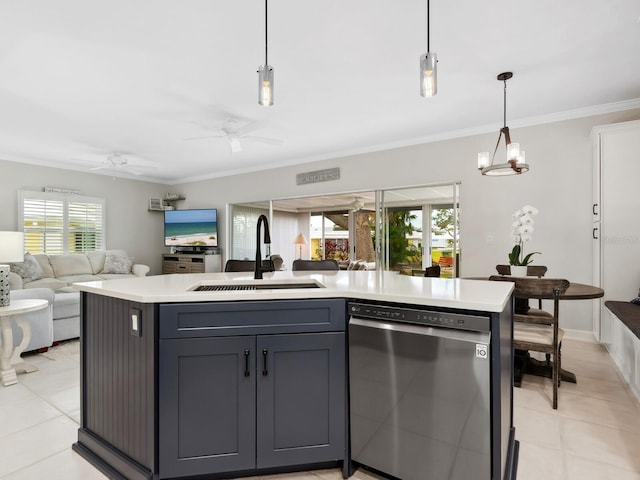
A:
(249, 285)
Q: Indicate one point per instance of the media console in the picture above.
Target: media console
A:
(191, 263)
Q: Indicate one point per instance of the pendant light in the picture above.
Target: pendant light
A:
(265, 72)
(428, 67)
(515, 157)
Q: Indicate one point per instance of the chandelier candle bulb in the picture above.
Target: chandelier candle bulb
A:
(483, 160)
(513, 151)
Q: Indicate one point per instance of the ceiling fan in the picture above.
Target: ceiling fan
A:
(235, 135)
(118, 161)
(357, 204)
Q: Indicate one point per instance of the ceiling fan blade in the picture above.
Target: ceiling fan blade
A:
(270, 141)
(203, 137)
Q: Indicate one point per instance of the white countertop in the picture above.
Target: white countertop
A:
(362, 284)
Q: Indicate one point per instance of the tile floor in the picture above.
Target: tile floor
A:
(594, 434)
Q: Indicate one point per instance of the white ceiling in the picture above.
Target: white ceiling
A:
(81, 80)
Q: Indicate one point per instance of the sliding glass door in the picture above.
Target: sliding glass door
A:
(404, 230)
(419, 228)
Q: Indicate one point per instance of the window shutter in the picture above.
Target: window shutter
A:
(43, 222)
(85, 227)
(61, 223)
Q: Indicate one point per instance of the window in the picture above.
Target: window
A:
(61, 223)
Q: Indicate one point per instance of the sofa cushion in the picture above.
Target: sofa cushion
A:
(66, 305)
(115, 263)
(52, 283)
(96, 259)
(45, 265)
(70, 264)
(85, 277)
(29, 269)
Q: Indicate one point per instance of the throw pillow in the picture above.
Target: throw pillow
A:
(117, 264)
(29, 270)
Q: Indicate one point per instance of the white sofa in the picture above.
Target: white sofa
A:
(59, 272)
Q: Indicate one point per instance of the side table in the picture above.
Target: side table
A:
(9, 356)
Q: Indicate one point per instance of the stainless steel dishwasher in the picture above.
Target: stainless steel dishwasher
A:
(420, 392)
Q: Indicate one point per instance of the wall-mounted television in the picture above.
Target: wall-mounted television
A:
(191, 228)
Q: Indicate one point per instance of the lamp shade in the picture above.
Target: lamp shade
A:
(300, 240)
(11, 247)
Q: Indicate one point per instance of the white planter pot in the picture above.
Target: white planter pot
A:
(518, 270)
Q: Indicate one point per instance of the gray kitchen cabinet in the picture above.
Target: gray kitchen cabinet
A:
(246, 402)
(301, 399)
(206, 405)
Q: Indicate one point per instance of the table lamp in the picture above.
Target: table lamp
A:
(300, 241)
(11, 250)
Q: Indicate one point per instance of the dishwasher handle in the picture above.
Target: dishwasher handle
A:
(446, 333)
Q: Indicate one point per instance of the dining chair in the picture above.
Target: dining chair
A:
(432, 271)
(532, 270)
(278, 261)
(240, 266)
(539, 333)
(315, 265)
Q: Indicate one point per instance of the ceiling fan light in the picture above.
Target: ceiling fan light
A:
(428, 74)
(265, 85)
(235, 144)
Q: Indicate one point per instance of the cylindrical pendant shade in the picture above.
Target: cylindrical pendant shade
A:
(428, 74)
(483, 159)
(513, 151)
(265, 85)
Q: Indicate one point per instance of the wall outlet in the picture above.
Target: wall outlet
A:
(135, 316)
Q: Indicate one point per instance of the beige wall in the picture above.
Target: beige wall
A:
(559, 185)
(129, 225)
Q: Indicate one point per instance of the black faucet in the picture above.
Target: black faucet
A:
(266, 265)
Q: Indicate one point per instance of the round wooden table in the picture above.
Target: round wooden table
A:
(576, 291)
(581, 291)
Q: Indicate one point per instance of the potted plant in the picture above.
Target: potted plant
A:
(521, 230)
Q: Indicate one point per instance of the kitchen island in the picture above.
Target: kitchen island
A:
(225, 376)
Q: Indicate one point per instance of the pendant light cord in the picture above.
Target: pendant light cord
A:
(504, 113)
(428, 29)
(266, 44)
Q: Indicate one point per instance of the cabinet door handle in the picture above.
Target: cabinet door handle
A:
(595, 205)
(247, 372)
(593, 234)
(265, 371)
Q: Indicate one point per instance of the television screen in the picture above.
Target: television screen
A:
(191, 228)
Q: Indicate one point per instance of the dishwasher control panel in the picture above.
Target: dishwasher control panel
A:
(423, 317)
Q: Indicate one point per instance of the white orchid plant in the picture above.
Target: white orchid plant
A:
(521, 230)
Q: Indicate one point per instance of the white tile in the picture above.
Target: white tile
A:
(579, 468)
(537, 428)
(602, 444)
(66, 465)
(34, 444)
(30, 411)
(67, 400)
(537, 463)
